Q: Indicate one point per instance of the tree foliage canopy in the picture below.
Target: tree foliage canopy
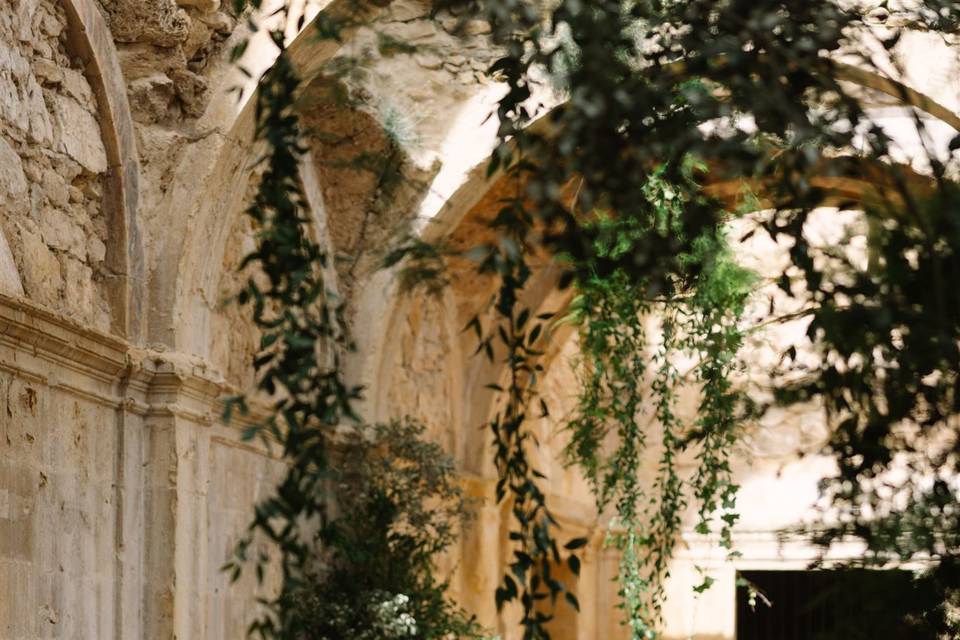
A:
(666, 102)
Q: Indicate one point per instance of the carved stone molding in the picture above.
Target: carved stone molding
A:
(40, 345)
(43, 346)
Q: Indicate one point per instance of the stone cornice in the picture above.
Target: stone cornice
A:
(40, 345)
(30, 329)
(174, 383)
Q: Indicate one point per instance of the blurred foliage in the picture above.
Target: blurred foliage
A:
(398, 507)
(753, 91)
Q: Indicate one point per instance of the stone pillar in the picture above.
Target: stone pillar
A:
(480, 553)
(173, 399)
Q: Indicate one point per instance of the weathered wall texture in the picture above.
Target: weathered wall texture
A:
(125, 165)
(57, 513)
(52, 163)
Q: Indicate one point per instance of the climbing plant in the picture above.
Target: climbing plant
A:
(303, 338)
(363, 564)
(661, 97)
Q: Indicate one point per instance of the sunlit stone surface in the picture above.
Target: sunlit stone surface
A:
(124, 169)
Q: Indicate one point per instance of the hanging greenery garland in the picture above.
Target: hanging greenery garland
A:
(649, 87)
(610, 431)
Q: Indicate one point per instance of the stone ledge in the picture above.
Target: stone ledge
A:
(41, 345)
(31, 328)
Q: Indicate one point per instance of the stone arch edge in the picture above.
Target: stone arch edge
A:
(90, 39)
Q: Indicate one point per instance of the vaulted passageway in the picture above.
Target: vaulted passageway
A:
(125, 168)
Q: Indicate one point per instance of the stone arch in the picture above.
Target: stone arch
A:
(189, 255)
(461, 222)
(90, 40)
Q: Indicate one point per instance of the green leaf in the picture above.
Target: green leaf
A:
(706, 584)
(576, 543)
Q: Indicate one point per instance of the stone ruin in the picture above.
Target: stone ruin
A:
(125, 166)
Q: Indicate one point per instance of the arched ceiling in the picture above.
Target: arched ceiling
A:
(463, 223)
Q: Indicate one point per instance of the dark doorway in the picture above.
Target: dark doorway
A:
(825, 605)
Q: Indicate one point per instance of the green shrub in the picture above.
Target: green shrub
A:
(398, 506)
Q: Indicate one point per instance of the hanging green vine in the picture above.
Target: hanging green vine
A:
(513, 340)
(649, 85)
(303, 337)
(609, 432)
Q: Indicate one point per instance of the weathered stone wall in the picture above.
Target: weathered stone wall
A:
(52, 165)
(60, 485)
(120, 495)
(58, 494)
(109, 454)
(167, 49)
(235, 339)
(424, 366)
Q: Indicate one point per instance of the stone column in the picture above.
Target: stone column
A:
(176, 398)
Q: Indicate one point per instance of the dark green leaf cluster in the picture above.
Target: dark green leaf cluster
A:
(753, 91)
(398, 506)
